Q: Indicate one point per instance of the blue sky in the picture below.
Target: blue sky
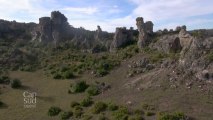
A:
(109, 14)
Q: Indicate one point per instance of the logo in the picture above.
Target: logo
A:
(29, 99)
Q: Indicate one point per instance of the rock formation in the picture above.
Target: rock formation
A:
(144, 30)
(45, 30)
(53, 29)
(121, 38)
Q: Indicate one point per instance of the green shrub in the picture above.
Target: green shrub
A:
(93, 90)
(101, 72)
(53, 111)
(136, 117)
(138, 112)
(86, 117)
(86, 102)
(99, 107)
(4, 80)
(210, 56)
(78, 111)
(57, 76)
(16, 83)
(112, 107)
(121, 114)
(173, 116)
(74, 104)
(102, 117)
(66, 115)
(1, 103)
(148, 113)
(68, 75)
(79, 87)
(148, 107)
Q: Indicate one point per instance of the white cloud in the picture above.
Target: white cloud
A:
(84, 10)
(167, 9)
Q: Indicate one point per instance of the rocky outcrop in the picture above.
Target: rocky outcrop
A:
(145, 29)
(12, 30)
(121, 38)
(167, 44)
(45, 30)
(53, 29)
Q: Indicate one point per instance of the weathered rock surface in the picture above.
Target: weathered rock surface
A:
(167, 43)
(145, 29)
(121, 38)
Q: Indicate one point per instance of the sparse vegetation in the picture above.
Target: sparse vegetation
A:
(136, 117)
(66, 115)
(4, 80)
(74, 104)
(78, 111)
(112, 107)
(210, 56)
(172, 116)
(102, 117)
(53, 111)
(148, 113)
(121, 114)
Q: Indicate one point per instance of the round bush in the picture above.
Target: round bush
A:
(99, 107)
(93, 90)
(53, 111)
(16, 83)
(79, 87)
(68, 75)
(112, 107)
(66, 115)
(74, 104)
(86, 102)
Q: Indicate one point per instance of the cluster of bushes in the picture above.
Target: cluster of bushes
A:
(101, 64)
(172, 116)
(82, 86)
(210, 56)
(4, 80)
(63, 73)
(118, 112)
(53, 111)
(128, 52)
(15, 83)
(121, 114)
(156, 56)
